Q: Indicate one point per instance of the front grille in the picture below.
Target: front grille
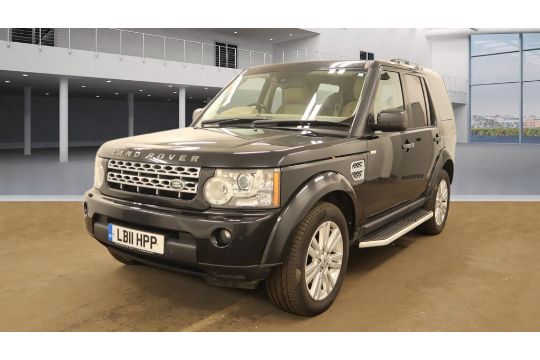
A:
(171, 181)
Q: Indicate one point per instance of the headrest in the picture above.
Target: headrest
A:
(295, 95)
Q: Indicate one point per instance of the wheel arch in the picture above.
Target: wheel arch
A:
(344, 202)
(449, 167)
(328, 186)
(444, 162)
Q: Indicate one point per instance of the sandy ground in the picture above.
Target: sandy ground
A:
(481, 274)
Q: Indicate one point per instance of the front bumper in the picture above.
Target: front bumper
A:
(188, 245)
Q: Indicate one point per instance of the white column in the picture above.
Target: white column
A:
(27, 120)
(64, 119)
(131, 114)
(181, 107)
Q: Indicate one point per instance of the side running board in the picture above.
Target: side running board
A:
(396, 229)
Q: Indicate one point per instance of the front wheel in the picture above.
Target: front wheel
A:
(439, 203)
(310, 278)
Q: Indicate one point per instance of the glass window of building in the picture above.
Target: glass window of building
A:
(505, 88)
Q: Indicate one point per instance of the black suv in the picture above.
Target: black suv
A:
(286, 169)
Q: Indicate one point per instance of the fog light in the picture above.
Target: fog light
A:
(222, 237)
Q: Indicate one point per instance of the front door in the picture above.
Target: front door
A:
(384, 186)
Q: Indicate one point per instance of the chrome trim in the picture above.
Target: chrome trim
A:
(398, 234)
(357, 170)
(158, 177)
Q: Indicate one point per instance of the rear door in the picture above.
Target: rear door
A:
(421, 139)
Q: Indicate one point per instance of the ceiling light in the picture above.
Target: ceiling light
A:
(47, 94)
(174, 92)
(191, 97)
(7, 81)
(148, 95)
(271, 39)
(108, 81)
(236, 32)
(205, 88)
(170, 86)
(97, 96)
(83, 86)
(24, 75)
(115, 93)
(141, 90)
(204, 101)
(290, 35)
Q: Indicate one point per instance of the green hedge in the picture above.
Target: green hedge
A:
(505, 132)
(495, 132)
(531, 131)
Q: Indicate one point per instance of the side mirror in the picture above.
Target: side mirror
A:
(391, 120)
(196, 114)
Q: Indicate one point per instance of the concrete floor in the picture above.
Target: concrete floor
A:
(481, 169)
(480, 274)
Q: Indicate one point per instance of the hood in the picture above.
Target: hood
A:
(227, 147)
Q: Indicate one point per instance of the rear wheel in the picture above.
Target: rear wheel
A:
(439, 203)
(310, 278)
(124, 260)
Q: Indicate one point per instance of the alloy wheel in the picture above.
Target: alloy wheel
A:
(441, 202)
(324, 260)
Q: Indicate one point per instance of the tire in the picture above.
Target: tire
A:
(436, 224)
(287, 286)
(122, 259)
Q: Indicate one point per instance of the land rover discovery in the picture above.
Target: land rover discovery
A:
(287, 169)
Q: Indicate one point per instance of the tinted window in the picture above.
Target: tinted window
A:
(439, 96)
(389, 95)
(429, 103)
(417, 102)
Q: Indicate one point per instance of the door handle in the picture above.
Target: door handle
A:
(437, 138)
(407, 146)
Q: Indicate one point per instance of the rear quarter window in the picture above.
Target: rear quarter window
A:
(439, 97)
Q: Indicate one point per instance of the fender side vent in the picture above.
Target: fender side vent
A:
(357, 170)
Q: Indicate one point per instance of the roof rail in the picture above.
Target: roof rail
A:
(407, 63)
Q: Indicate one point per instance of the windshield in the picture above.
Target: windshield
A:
(288, 97)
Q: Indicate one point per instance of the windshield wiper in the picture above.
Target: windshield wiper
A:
(272, 122)
(233, 121)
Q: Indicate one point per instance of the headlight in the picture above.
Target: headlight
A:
(248, 188)
(99, 173)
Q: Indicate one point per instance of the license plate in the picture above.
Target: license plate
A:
(135, 239)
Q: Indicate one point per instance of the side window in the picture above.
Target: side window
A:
(389, 95)
(432, 118)
(415, 92)
(277, 100)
